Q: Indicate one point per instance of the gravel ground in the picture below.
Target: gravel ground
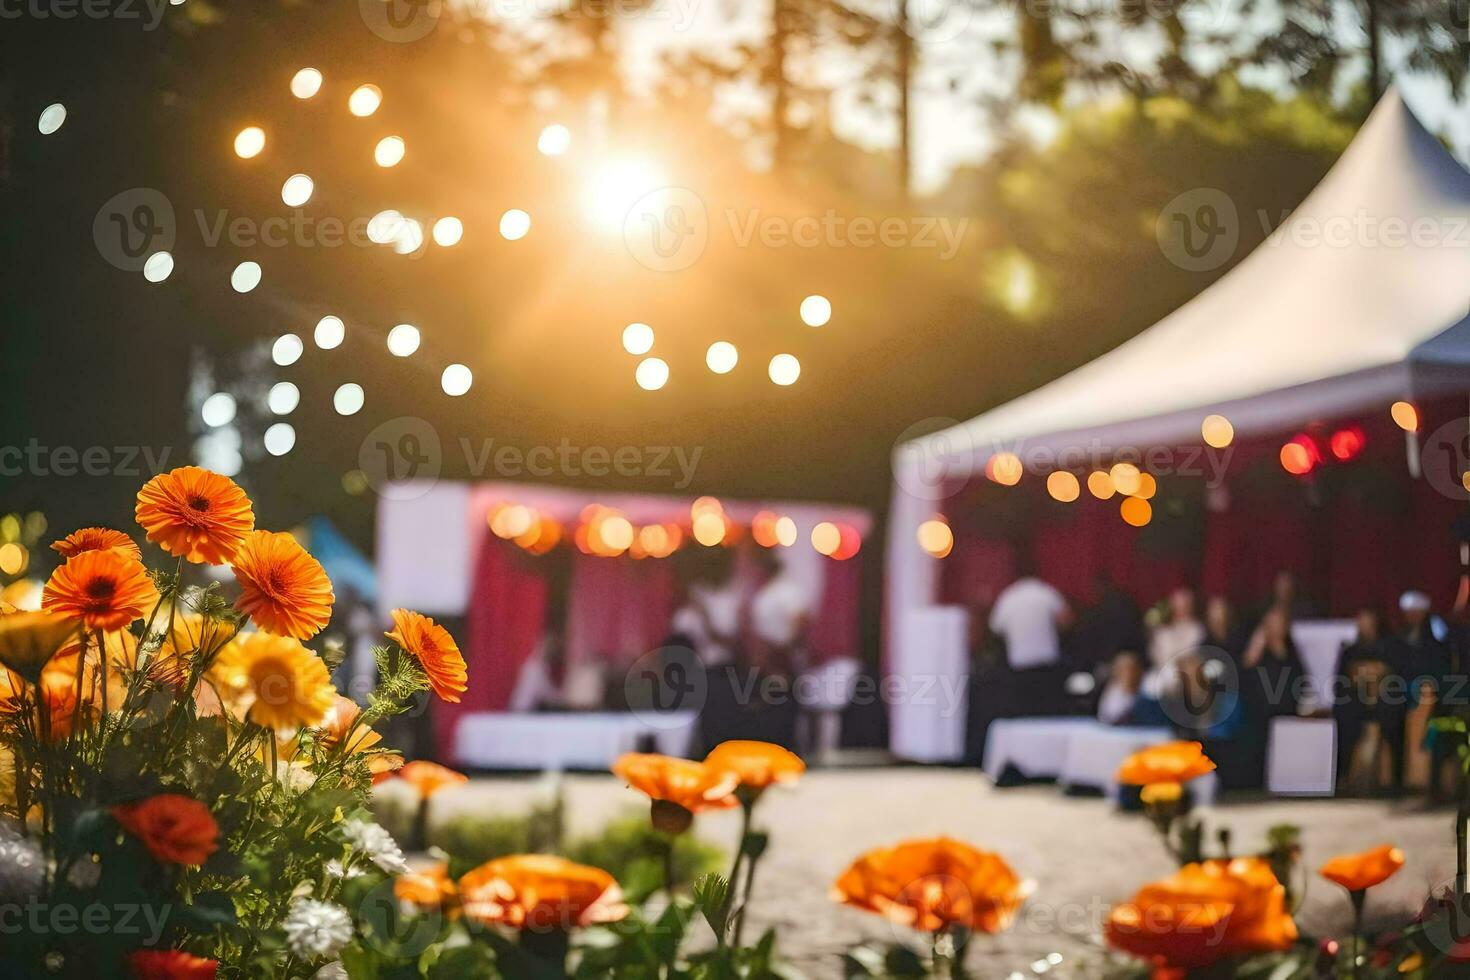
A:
(1082, 853)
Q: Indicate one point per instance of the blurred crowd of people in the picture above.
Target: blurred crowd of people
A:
(1220, 675)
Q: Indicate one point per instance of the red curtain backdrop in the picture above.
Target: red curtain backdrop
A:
(619, 608)
(1355, 533)
(834, 629)
(505, 621)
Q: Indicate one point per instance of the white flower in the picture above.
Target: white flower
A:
(335, 869)
(316, 928)
(332, 971)
(376, 844)
(22, 866)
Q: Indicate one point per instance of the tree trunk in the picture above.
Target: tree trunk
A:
(781, 89)
(1375, 50)
(905, 41)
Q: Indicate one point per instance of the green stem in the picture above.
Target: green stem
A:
(668, 857)
(1358, 898)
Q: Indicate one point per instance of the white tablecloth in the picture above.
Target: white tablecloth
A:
(564, 741)
(1075, 752)
(1036, 747)
(1302, 758)
(1319, 641)
(929, 696)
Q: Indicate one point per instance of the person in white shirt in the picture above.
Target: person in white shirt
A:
(1029, 615)
(1183, 633)
(779, 613)
(710, 616)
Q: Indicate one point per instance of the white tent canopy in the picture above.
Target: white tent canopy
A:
(1359, 298)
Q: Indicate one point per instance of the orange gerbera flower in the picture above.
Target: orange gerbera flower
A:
(678, 788)
(63, 707)
(431, 888)
(933, 884)
(1358, 872)
(170, 964)
(106, 589)
(756, 764)
(279, 683)
(429, 778)
(29, 639)
(96, 539)
(195, 514)
(282, 588)
(1169, 762)
(122, 650)
(1202, 914)
(539, 892)
(435, 650)
(176, 829)
(339, 721)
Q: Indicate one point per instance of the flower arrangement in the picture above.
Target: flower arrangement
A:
(182, 791)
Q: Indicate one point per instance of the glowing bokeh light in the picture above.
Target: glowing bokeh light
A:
(456, 380)
(249, 142)
(410, 237)
(1296, 458)
(218, 409)
(403, 340)
(13, 558)
(51, 119)
(721, 357)
(287, 349)
(330, 332)
(306, 83)
(389, 151)
(1100, 485)
(652, 373)
(1347, 443)
(158, 267)
(786, 532)
(1063, 486)
(364, 100)
(297, 190)
(348, 399)
(826, 538)
(283, 398)
(763, 529)
(616, 533)
(1004, 468)
(1126, 478)
(448, 231)
(1405, 416)
(1147, 486)
(709, 528)
(816, 311)
(936, 538)
(384, 226)
(1217, 431)
(784, 369)
(638, 339)
(280, 438)
(245, 277)
(515, 224)
(554, 140)
(1136, 511)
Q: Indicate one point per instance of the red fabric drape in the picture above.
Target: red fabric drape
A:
(505, 620)
(834, 630)
(619, 608)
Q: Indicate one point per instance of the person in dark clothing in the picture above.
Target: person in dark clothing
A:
(1428, 665)
(1272, 680)
(1112, 623)
(1367, 687)
(1223, 632)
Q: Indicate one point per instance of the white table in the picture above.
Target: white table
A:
(1035, 747)
(927, 682)
(1093, 758)
(1319, 642)
(493, 740)
(1302, 757)
(1075, 752)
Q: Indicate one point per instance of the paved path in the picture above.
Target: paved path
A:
(1083, 855)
